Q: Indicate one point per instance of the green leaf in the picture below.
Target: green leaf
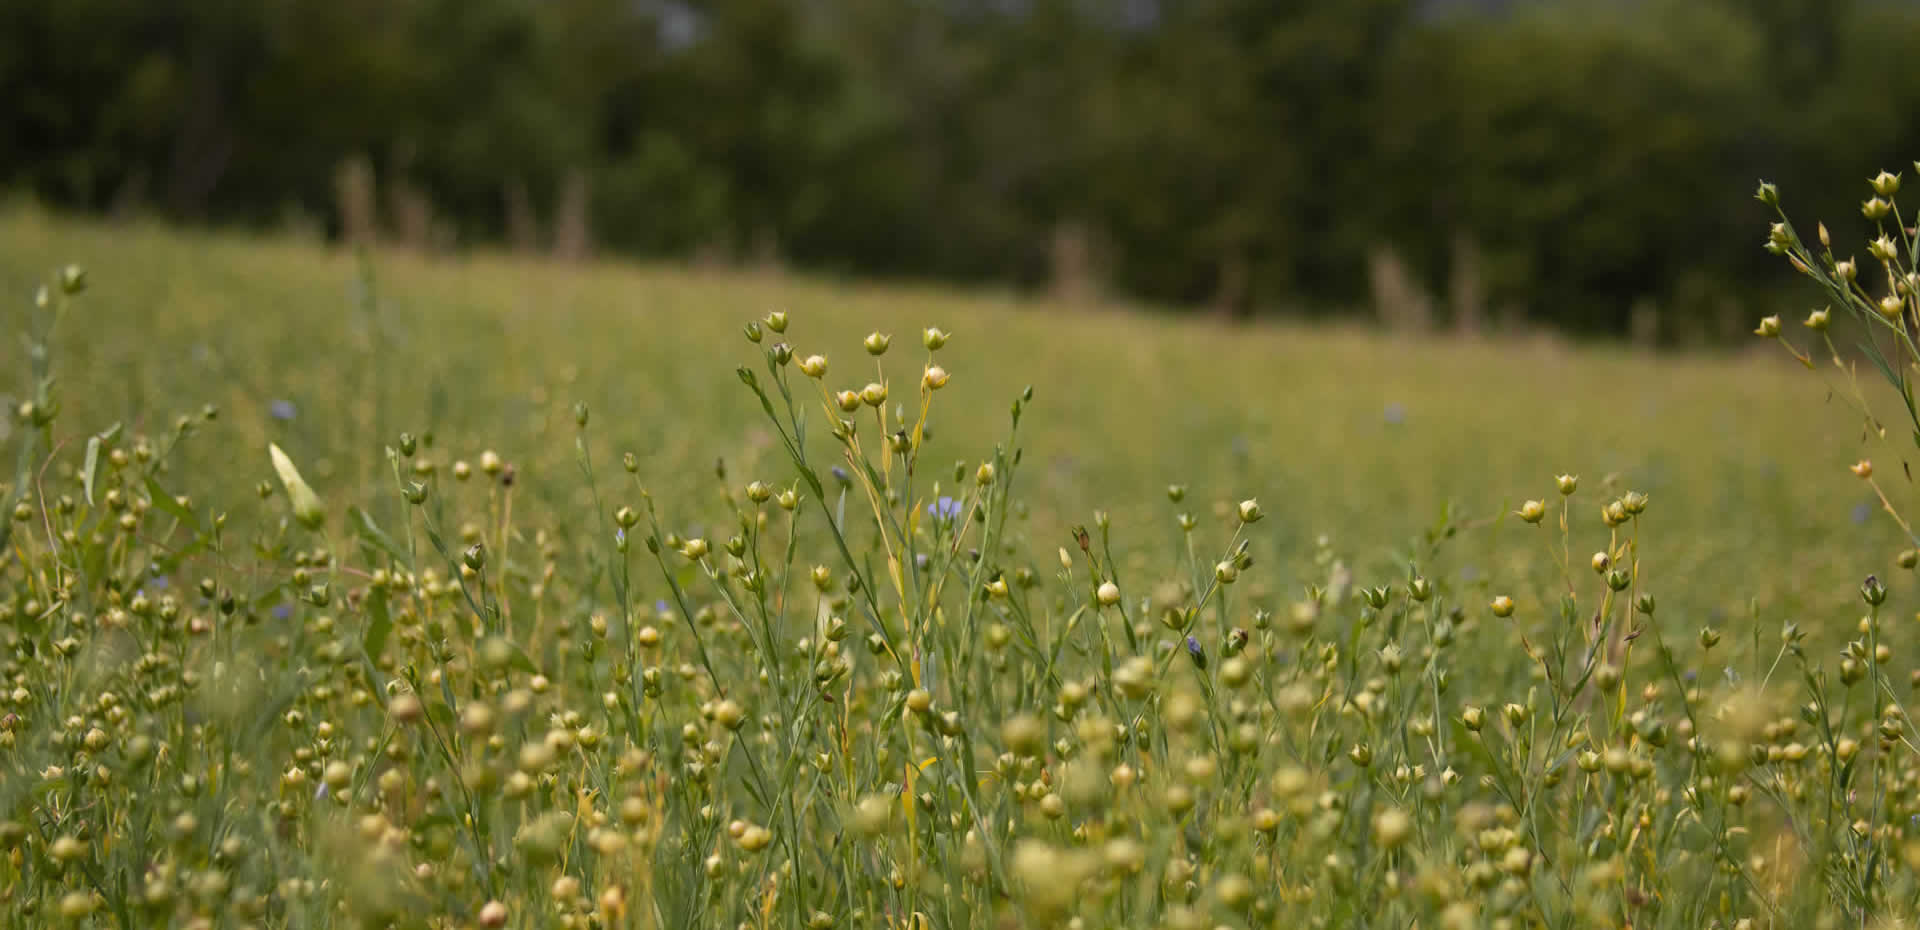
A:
(371, 533)
(166, 502)
(520, 661)
(379, 625)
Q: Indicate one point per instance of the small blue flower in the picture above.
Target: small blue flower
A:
(840, 475)
(1862, 512)
(282, 611)
(1197, 653)
(946, 509)
(660, 606)
(282, 410)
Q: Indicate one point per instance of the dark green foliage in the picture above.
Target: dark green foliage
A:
(1243, 154)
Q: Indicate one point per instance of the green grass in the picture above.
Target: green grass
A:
(1743, 457)
(1355, 688)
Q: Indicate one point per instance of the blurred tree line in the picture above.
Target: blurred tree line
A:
(1585, 164)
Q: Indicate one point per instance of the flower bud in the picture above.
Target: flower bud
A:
(1875, 208)
(935, 378)
(1709, 637)
(1882, 249)
(777, 321)
(813, 366)
(874, 394)
(1502, 606)
(1769, 327)
(1890, 306)
(1108, 594)
(1567, 484)
(1473, 718)
(1532, 511)
(1818, 320)
(306, 505)
(877, 343)
(933, 337)
(1885, 184)
(1862, 468)
(1250, 511)
(494, 914)
(1872, 591)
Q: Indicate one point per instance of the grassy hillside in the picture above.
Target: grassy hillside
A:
(1355, 435)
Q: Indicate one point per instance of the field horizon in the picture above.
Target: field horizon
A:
(1333, 425)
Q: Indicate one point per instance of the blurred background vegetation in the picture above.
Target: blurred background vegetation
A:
(1468, 165)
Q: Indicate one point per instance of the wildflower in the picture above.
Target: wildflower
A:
(1197, 653)
(282, 410)
(945, 510)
